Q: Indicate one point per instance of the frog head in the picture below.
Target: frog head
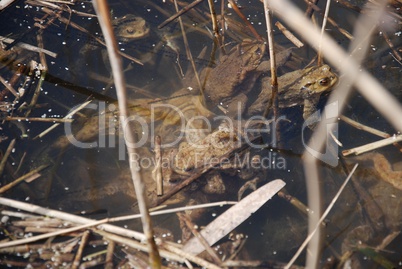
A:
(317, 80)
(130, 27)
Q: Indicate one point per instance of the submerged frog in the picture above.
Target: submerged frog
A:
(300, 87)
(130, 27)
(127, 29)
(236, 73)
(380, 190)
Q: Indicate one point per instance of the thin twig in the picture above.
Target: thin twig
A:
(374, 145)
(103, 12)
(274, 77)
(363, 127)
(289, 35)
(24, 177)
(179, 13)
(66, 117)
(6, 155)
(190, 56)
(78, 255)
(68, 217)
(331, 21)
(190, 225)
(249, 25)
(215, 28)
(189, 256)
(109, 255)
(137, 245)
(29, 119)
(324, 24)
(9, 87)
(157, 172)
(28, 47)
(392, 47)
(34, 66)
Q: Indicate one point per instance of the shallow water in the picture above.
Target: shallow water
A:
(275, 231)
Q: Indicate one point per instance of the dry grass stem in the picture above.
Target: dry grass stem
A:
(274, 77)
(189, 256)
(28, 47)
(157, 172)
(9, 87)
(78, 255)
(64, 120)
(179, 13)
(191, 226)
(372, 146)
(173, 210)
(387, 240)
(331, 21)
(69, 115)
(109, 255)
(324, 24)
(136, 245)
(71, 218)
(190, 56)
(395, 52)
(43, 70)
(294, 202)
(245, 20)
(20, 215)
(42, 57)
(86, 223)
(103, 12)
(215, 28)
(32, 174)
(47, 235)
(289, 35)
(6, 155)
(363, 127)
(5, 3)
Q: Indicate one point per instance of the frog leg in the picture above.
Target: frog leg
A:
(310, 109)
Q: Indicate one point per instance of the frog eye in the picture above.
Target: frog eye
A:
(130, 30)
(323, 81)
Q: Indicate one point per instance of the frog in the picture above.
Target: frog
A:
(191, 156)
(301, 87)
(127, 29)
(130, 27)
(236, 73)
(382, 204)
(214, 150)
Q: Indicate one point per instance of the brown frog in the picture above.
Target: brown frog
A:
(193, 155)
(212, 151)
(300, 87)
(236, 73)
(380, 190)
(127, 29)
(130, 27)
